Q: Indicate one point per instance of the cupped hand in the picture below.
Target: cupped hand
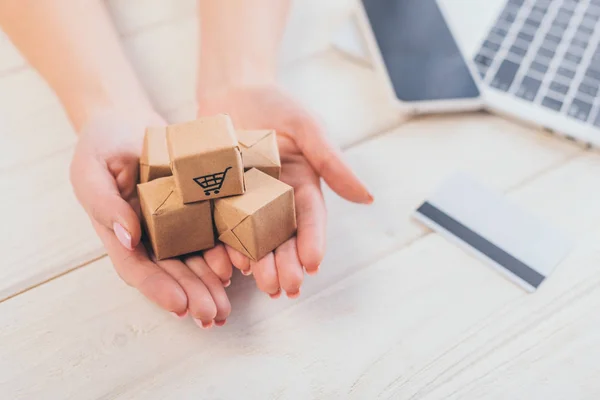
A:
(306, 157)
(104, 173)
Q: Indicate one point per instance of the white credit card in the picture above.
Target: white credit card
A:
(520, 246)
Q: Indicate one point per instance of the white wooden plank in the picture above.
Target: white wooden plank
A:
(428, 321)
(44, 231)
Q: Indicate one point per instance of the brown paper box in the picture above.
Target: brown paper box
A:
(174, 228)
(259, 150)
(205, 158)
(154, 161)
(260, 220)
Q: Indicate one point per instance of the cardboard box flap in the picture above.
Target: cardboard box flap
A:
(227, 217)
(249, 138)
(161, 197)
(232, 240)
(255, 158)
(264, 145)
(155, 147)
(259, 186)
(216, 133)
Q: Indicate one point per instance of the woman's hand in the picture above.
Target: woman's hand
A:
(306, 157)
(104, 174)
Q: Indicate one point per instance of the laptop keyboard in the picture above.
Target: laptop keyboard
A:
(547, 52)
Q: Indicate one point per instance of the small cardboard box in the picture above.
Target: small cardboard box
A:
(206, 159)
(154, 161)
(260, 220)
(174, 228)
(259, 150)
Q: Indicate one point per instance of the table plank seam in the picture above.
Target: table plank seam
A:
(52, 278)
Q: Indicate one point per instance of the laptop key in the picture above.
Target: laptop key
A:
(590, 90)
(499, 31)
(529, 88)
(592, 74)
(567, 73)
(560, 24)
(536, 15)
(518, 51)
(585, 30)
(579, 43)
(508, 16)
(505, 75)
(532, 23)
(525, 36)
(546, 52)
(483, 60)
(573, 58)
(539, 67)
(552, 38)
(549, 45)
(559, 88)
(552, 104)
(491, 45)
(580, 109)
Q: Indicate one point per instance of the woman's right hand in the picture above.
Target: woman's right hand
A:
(104, 174)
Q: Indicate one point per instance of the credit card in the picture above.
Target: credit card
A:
(519, 245)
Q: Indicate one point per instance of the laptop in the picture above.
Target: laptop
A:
(534, 60)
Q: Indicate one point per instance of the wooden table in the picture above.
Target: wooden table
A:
(397, 312)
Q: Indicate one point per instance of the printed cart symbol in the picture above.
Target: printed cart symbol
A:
(213, 182)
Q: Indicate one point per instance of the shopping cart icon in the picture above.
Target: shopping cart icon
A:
(212, 183)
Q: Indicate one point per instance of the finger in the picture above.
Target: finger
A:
(239, 260)
(289, 268)
(97, 191)
(201, 304)
(265, 274)
(328, 162)
(136, 269)
(219, 262)
(214, 285)
(311, 217)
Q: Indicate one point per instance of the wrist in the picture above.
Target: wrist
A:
(220, 70)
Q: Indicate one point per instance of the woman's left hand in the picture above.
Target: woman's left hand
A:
(306, 157)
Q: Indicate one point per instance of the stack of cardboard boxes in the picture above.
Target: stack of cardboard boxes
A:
(201, 176)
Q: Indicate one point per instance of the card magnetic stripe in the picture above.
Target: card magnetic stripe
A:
(481, 244)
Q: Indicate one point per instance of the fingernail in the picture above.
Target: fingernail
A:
(227, 284)
(202, 324)
(123, 236)
(294, 295)
(370, 198)
(314, 271)
(276, 294)
(179, 316)
(247, 272)
(220, 323)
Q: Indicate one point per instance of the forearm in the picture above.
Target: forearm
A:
(239, 41)
(74, 46)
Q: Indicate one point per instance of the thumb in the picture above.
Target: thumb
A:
(98, 193)
(328, 163)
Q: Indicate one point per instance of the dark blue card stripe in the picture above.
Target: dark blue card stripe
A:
(481, 244)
